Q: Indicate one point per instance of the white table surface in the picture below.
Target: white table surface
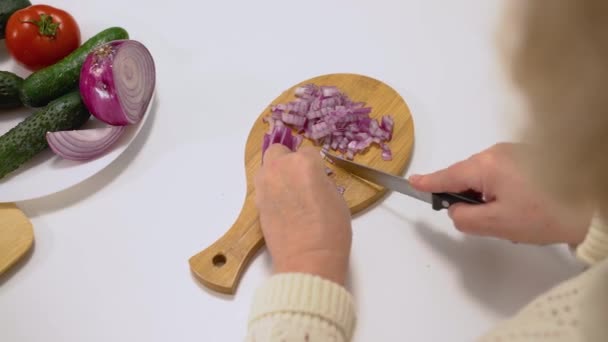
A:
(110, 261)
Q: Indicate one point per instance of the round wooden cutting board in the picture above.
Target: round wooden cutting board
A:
(219, 267)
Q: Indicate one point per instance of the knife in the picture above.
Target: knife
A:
(438, 201)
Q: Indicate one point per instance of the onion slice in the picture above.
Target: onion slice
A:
(117, 82)
(84, 145)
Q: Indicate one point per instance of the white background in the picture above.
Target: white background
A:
(110, 261)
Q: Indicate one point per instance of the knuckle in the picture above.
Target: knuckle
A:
(486, 160)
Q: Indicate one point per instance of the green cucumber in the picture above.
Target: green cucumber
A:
(9, 90)
(49, 83)
(7, 8)
(28, 138)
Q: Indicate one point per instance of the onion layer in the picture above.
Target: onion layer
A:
(117, 81)
(83, 145)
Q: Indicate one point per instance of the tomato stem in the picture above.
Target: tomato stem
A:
(46, 26)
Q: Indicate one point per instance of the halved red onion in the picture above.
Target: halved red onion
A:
(117, 82)
(332, 120)
(83, 145)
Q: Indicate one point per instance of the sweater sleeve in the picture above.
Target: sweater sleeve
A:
(574, 311)
(595, 246)
(301, 307)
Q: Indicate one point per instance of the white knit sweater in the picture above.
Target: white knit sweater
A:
(306, 308)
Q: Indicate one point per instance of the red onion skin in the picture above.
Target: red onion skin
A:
(97, 85)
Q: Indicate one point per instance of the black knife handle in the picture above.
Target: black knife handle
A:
(445, 199)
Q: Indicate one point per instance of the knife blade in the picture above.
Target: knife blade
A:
(438, 200)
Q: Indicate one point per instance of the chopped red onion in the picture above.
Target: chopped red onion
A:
(307, 91)
(293, 119)
(387, 125)
(330, 91)
(331, 120)
(386, 153)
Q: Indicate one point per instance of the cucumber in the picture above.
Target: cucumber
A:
(28, 138)
(9, 90)
(7, 8)
(49, 83)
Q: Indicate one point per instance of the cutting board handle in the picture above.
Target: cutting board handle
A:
(16, 235)
(220, 266)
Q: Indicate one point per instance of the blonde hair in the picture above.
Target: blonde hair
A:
(557, 57)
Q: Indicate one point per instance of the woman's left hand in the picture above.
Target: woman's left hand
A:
(305, 221)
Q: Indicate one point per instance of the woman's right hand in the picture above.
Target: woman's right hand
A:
(515, 211)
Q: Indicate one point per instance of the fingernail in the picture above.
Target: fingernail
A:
(415, 178)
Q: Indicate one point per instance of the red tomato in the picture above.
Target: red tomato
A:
(41, 35)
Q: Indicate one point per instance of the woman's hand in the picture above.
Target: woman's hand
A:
(305, 221)
(515, 211)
